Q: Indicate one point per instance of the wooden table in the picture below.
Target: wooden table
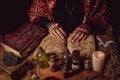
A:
(82, 75)
(43, 73)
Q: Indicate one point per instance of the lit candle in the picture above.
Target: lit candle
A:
(98, 58)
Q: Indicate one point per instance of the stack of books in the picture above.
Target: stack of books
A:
(21, 43)
(12, 72)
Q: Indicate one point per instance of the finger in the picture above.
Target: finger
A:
(79, 38)
(73, 34)
(59, 33)
(52, 31)
(86, 34)
(52, 34)
(62, 31)
(83, 29)
(83, 36)
(76, 36)
(51, 28)
(55, 33)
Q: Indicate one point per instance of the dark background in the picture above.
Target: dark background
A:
(14, 14)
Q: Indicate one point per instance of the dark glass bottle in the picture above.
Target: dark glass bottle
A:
(75, 60)
(42, 58)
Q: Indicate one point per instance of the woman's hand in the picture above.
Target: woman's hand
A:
(80, 33)
(56, 31)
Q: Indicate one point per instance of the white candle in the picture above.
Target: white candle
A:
(98, 58)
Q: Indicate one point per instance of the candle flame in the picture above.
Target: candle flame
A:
(99, 55)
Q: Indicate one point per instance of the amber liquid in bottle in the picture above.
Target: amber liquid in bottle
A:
(42, 59)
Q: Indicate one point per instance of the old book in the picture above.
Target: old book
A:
(24, 40)
(13, 72)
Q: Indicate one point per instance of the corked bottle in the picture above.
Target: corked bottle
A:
(76, 60)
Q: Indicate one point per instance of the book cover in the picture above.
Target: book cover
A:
(24, 40)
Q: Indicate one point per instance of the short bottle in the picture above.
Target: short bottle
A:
(52, 58)
(42, 58)
(87, 63)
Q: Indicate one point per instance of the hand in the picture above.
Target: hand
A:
(56, 31)
(80, 33)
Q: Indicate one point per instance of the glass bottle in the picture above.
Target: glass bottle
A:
(65, 60)
(33, 71)
(42, 58)
(76, 60)
(66, 63)
(88, 63)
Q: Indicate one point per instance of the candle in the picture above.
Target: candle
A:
(98, 58)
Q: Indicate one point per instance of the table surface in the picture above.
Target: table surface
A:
(83, 75)
(44, 73)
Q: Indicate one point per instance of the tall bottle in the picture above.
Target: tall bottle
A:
(66, 63)
(65, 60)
(42, 58)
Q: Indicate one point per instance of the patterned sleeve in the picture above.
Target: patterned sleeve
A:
(38, 8)
(95, 15)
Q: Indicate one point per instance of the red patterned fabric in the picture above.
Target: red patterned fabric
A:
(39, 8)
(94, 10)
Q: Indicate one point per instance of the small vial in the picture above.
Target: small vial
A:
(87, 64)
